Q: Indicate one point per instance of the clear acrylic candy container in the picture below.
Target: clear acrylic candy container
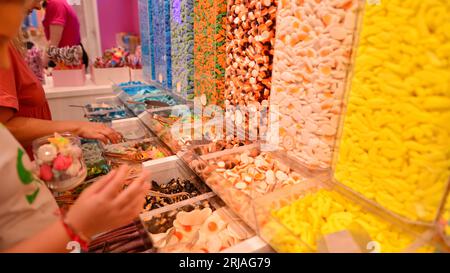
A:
(60, 161)
(393, 140)
(202, 224)
(316, 216)
(242, 175)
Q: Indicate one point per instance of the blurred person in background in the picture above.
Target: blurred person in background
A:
(61, 25)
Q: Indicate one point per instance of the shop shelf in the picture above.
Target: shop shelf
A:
(200, 224)
(182, 46)
(110, 100)
(139, 103)
(316, 216)
(106, 110)
(443, 225)
(164, 172)
(161, 42)
(131, 129)
(392, 145)
(96, 164)
(137, 151)
(210, 50)
(310, 76)
(178, 127)
(241, 175)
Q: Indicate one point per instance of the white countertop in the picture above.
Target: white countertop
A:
(88, 89)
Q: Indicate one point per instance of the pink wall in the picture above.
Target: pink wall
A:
(116, 16)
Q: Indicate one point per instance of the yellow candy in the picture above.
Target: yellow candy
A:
(446, 218)
(342, 215)
(395, 146)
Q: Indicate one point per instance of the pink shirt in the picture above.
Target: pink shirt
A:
(59, 12)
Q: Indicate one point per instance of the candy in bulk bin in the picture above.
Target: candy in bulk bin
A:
(95, 162)
(69, 70)
(111, 67)
(60, 161)
(313, 46)
(130, 83)
(444, 222)
(114, 57)
(250, 39)
(314, 214)
(182, 45)
(144, 26)
(209, 50)
(241, 175)
(161, 42)
(395, 141)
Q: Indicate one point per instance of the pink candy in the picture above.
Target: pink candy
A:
(45, 172)
(62, 163)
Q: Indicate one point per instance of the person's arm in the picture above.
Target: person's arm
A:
(56, 32)
(101, 207)
(53, 239)
(25, 130)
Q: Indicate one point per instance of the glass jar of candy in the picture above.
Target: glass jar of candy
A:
(59, 159)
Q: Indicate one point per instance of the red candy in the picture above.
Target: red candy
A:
(62, 163)
(45, 173)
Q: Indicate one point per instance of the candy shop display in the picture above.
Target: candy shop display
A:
(182, 46)
(444, 223)
(114, 57)
(173, 191)
(161, 42)
(95, 162)
(131, 129)
(66, 57)
(313, 47)
(166, 99)
(210, 50)
(134, 95)
(221, 145)
(35, 62)
(131, 238)
(319, 217)
(172, 182)
(69, 69)
(243, 174)
(250, 40)
(60, 161)
(141, 101)
(130, 83)
(139, 89)
(139, 151)
(145, 31)
(179, 127)
(135, 168)
(129, 42)
(158, 223)
(395, 142)
(205, 226)
(131, 87)
(103, 112)
(306, 126)
(134, 61)
(111, 67)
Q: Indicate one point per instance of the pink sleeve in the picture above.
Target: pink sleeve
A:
(55, 14)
